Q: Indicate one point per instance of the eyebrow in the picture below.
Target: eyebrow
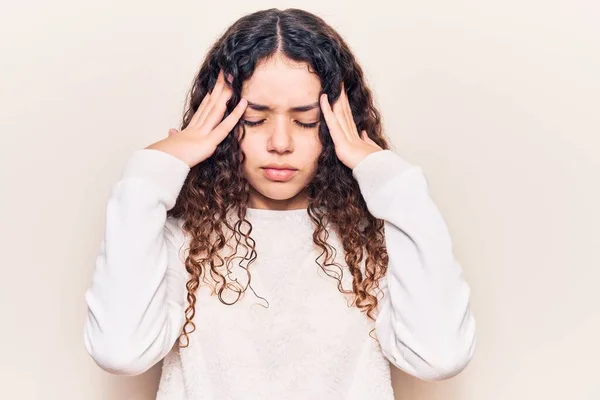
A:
(261, 107)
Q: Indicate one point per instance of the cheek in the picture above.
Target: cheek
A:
(308, 150)
(252, 146)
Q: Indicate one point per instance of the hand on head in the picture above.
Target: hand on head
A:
(199, 140)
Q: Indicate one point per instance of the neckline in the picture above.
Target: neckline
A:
(275, 214)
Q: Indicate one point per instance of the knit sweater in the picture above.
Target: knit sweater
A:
(295, 335)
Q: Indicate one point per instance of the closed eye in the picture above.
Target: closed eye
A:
(307, 126)
(301, 124)
(253, 123)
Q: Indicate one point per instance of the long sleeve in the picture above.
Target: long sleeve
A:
(137, 294)
(425, 325)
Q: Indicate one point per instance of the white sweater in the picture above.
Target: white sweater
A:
(308, 343)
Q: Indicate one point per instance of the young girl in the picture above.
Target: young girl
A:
(275, 247)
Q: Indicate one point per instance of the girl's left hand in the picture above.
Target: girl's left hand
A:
(350, 147)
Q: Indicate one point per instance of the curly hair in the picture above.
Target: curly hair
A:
(217, 187)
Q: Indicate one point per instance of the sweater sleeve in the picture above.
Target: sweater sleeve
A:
(424, 325)
(136, 298)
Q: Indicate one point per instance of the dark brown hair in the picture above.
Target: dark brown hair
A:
(217, 187)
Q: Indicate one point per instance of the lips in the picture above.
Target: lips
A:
(279, 173)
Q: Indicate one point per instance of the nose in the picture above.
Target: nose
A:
(280, 138)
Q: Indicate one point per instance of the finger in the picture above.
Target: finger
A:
(367, 139)
(365, 136)
(343, 100)
(223, 129)
(214, 97)
(219, 83)
(348, 113)
(216, 113)
(341, 117)
(173, 131)
(201, 107)
(335, 129)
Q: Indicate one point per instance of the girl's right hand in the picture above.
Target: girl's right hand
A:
(199, 140)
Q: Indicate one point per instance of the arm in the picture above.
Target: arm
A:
(425, 325)
(137, 296)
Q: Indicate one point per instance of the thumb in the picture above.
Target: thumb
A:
(367, 139)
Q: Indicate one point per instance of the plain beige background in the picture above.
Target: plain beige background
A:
(499, 101)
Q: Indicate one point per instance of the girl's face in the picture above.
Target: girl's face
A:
(281, 143)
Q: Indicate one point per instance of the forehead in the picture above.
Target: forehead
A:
(282, 83)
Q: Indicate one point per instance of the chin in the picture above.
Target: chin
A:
(281, 192)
